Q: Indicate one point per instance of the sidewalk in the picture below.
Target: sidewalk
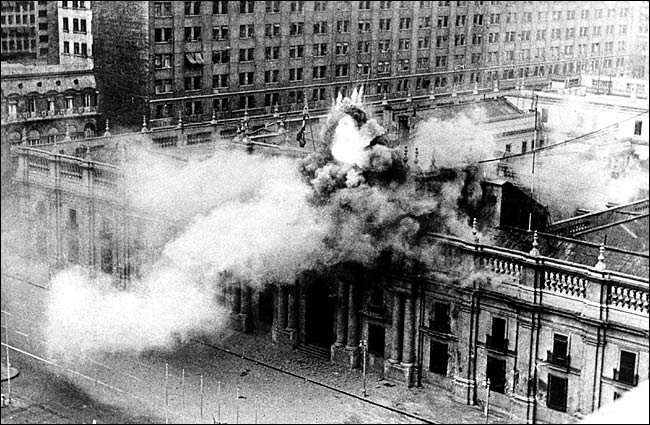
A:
(431, 402)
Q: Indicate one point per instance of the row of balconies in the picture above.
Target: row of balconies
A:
(27, 116)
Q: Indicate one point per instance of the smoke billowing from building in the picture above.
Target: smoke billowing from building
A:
(260, 220)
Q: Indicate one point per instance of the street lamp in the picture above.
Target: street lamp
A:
(364, 349)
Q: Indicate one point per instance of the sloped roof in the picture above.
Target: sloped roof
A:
(572, 250)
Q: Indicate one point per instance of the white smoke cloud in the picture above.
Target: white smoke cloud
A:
(245, 215)
(87, 314)
(452, 142)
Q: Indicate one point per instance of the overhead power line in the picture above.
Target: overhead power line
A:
(575, 139)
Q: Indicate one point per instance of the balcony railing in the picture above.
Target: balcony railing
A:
(496, 344)
(558, 360)
(626, 378)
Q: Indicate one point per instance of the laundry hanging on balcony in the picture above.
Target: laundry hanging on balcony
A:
(194, 58)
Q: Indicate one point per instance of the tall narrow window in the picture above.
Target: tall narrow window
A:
(439, 358)
(557, 393)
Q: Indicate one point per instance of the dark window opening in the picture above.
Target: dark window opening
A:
(107, 260)
(638, 125)
(439, 358)
(441, 321)
(376, 340)
(496, 373)
(627, 366)
(557, 392)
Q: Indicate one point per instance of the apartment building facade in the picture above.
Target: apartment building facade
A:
(193, 58)
(26, 32)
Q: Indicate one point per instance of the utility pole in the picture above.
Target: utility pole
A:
(532, 175)
(8, 363)
(166, 393)
(201, 396)
(364, 348)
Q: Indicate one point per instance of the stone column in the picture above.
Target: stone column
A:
(245, 305)
(236, 298)
(396, 333)
(292, 308)
(341, 314)
(282, 307)
(245, 308)
(353, 318)
(408, 353)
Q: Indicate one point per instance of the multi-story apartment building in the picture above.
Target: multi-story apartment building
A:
(26, 32)
(46, 31)
(74, 21)
(192, 58)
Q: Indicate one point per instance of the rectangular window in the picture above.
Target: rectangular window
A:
(405, 23)
(342, 70)
(82, 26)
(246, 6)
(66, 25)
(220, 7)
(246, 31)
(295, 74)
(66, 47)
(496, 373)
(192, 33)
(272, 53)
(220, 81)
(297, 51)
(441, 321)
(439, 358)
(162, 8)
(193, 83)
(246, 78)
(384, 24)
(296, 28)
(271, 99)
(220, 33)
(271, 76)
(627, 367)
(343, 26)
(319, 49)
(272, 6)
(319, 72)
(76, 49)
(247, 55)
(75, 25)
(163, 35)
(363, 46)
(320, 27)
(192, 8)
(638, 126)
(297, 6)
(221, 56)
(557, 393)
(376, 338)
(84, 49)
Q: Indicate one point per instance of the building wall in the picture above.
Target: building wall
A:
(71, 40)
(20, 30)
(122, 59)
(591, 45)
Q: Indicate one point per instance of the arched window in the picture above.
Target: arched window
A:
(89, 130)
(15, 138)
(33, 138)
(52, 135)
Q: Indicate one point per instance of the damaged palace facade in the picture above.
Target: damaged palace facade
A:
(558, 326)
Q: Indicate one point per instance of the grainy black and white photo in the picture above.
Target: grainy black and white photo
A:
(265, 212)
